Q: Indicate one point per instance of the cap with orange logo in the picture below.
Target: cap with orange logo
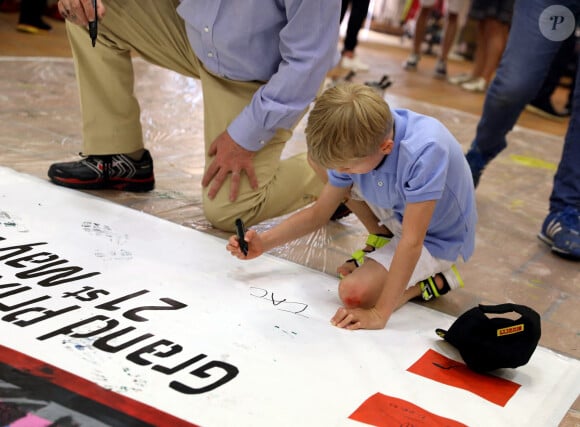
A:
(490, 337)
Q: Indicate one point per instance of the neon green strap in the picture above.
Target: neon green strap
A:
(358, 257)
(429, 289)
(377, 241)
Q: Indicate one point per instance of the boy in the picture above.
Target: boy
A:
(403, 163)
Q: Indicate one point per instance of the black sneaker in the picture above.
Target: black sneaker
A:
(117, 172)
(546, 110)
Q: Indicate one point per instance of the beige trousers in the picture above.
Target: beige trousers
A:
(111, 113)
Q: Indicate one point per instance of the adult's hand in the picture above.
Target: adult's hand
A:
(228, 158)
(80, 12)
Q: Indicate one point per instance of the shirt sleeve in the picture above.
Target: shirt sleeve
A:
(308, 48)
(339, 179)
(426, 175)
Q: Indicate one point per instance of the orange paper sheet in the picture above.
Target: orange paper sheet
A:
(439, 368)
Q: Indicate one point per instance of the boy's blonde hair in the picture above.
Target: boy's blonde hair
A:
(347, 122)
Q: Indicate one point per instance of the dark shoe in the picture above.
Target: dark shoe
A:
(411, 62)
(440, 69)
(476, 165)
(340, 212)
(546, 110)
(561, 231)
(117, 172)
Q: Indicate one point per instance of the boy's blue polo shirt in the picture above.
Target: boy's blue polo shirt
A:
(427, 163)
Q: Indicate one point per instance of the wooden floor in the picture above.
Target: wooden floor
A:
(509, 264)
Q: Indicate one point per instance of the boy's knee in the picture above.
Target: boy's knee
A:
(352, 294)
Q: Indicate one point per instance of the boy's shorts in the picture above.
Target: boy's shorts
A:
(451, 6)
(427, 264)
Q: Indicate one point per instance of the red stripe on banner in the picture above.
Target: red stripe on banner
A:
(386, 411)
(92, 391)
(439, 368)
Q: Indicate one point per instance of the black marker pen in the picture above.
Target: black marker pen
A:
(93, 31)
(241, 232)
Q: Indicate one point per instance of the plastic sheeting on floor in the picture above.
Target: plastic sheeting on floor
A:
(152, 322)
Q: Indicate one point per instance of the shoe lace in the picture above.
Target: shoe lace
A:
(106, 162)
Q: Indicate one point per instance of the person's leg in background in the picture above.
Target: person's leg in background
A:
(476, 17)
(568, 106)
(542, 103)
(532, 45)
(30, 18)
(561, 228)
(450, 30)
(358, 13)
(519, 76)
(419, 35)
(493, 34)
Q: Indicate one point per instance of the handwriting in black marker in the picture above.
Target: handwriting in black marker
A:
(446, 367)
(291, 333)
(280, 303)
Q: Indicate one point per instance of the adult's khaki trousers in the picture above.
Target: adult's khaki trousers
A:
(111, 113)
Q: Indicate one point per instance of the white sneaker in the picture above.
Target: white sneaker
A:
(476, 85)
(459, 79)
(440, 69)
(411, 63)
(353, 64)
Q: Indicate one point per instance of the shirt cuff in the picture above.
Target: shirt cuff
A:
(250, 138)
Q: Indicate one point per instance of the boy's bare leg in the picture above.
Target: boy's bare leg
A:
(363, 287)
(371, 222)
(364, 214)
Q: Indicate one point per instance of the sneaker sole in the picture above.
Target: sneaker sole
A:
(543, 114)
(565, 255)
(555, 249)
(28, 29)
(132, 186)
(545, 239)
(458, 82)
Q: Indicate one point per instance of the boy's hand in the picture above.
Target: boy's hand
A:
(358, 318)
(255, 248)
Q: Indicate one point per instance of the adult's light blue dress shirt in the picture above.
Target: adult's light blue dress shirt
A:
(288, 44)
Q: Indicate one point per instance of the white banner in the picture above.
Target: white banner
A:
(162, 315)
